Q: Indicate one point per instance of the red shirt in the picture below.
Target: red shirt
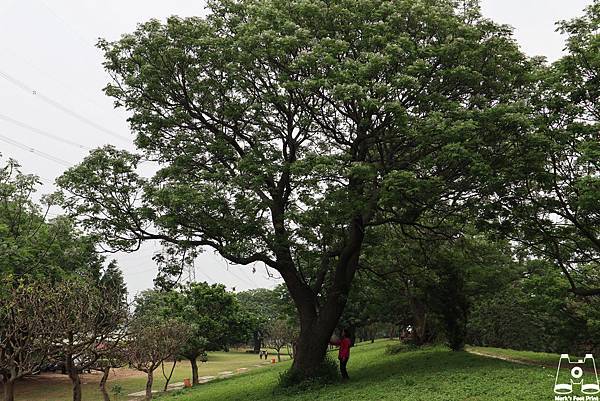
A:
(344, 345)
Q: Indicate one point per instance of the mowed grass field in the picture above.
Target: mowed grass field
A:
(57, 387)
(431, 374)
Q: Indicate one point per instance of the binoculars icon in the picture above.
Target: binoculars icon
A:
(581, 372)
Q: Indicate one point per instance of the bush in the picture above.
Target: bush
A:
(117, 391)
(294, 380)
(401, 347)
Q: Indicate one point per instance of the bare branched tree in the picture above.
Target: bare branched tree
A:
(26, 330)
(91, 319)
(281, 334)
(152, 341)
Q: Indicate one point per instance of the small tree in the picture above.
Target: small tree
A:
(26, 330)
(170, 375)
(262, 306)
(215, 318)
(90, 319)
(38, 309)
(113, 356)
(281, 334)
(153, 340)
(212, 314)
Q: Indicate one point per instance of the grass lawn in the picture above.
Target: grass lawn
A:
(57, 387)
(540, 358)
(431, 374)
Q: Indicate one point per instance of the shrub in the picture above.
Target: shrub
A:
(401, 347)
(294, 380)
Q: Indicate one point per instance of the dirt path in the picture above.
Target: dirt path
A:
(47, 378)
(513, 360)
(521, 361)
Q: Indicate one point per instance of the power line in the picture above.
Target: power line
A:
(45, 180)
(35, 151)
(55, 79)
(208, 277)
(26, 88)
(154, 269)
(242, 279)
(43, 133)
(85, 41)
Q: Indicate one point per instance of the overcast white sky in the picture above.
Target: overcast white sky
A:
(47, 46)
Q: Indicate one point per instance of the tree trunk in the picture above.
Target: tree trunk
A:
(314, 338)
(311, 352)
(391, 332)
(278, 356)
(74, 376)
(9, 390)
(168, 378)
(105, 373)
(419, 312)
(257, 341)
(194, 363)
(316, 328)
(317, 322)
(149, 382)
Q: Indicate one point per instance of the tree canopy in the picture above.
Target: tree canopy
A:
(212, 316)
(286, 131)
(551, 197)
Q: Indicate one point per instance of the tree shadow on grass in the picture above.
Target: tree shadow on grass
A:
(423, 363)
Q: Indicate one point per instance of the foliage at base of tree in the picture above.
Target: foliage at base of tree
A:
(294, 381)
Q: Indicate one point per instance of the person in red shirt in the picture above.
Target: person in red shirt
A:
(344, 354)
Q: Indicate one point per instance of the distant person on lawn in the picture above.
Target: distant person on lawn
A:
(344, 354)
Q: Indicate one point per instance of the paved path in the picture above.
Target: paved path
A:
(203, 379)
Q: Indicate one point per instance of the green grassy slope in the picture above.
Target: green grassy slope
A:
(433, 374)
